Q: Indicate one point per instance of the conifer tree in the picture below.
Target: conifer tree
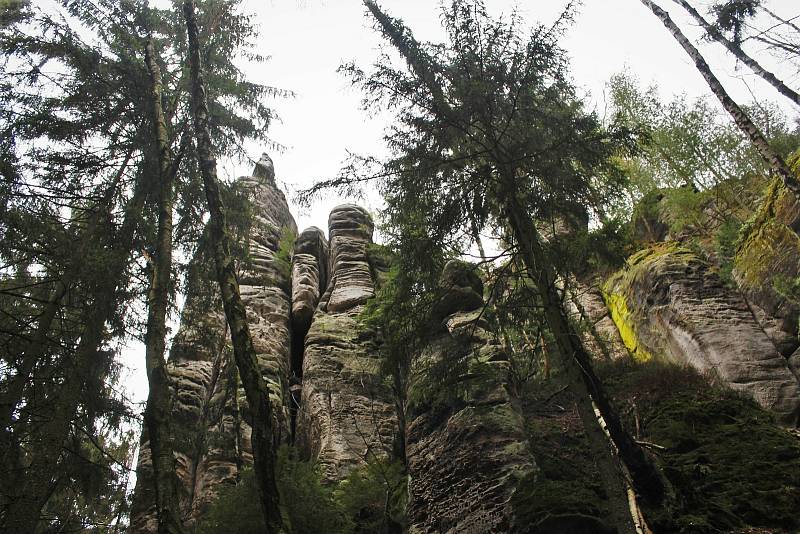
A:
(489, 132)
(78, 198)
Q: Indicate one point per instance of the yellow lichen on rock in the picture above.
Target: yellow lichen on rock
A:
(621, 315)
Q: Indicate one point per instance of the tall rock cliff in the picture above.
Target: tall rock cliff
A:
(466, 447)
(478, 455)
(210, 415)
(346, 414)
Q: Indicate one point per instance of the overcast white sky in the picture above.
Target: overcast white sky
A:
(308, 40)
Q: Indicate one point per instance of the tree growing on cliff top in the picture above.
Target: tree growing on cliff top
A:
(489, 134)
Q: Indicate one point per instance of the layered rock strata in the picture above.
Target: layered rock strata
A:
(465, 444)
(347, 415)
(209, 412)
(668, 303)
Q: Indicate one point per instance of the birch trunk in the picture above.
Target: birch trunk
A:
(741, 55)
(742, 120)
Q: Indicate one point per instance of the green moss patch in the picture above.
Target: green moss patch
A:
(565, 493)
(730, 465)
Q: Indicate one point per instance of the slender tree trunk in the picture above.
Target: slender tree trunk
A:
(577, 362)
(243, 349)
(772, 158)
(24, 510)
(740, 54)
(159, 400)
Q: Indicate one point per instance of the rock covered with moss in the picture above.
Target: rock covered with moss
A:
(466, 450)
(730, 467)
(767, 265)
(669, 304)
(347, 413)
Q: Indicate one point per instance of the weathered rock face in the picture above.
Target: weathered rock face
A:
(668, 303)
(346, 413)
(309, 276)
(210, 415)
(465, 444)
(601, 336)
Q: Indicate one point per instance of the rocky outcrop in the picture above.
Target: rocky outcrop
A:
(600, 334)
(465, 443)
(668, 303)
(309, 276)
(347, 415)
(469, 463)
(210, 415)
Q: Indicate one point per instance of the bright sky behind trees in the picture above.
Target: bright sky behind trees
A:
(308, 39)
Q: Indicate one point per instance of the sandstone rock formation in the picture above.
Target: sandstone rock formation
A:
(465, 445)
(667, 302)
(464, 437)
(210, 415)
(346, 414)
(601, 335)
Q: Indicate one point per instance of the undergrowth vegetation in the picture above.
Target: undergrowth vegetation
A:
(729, 464)
(371, 499)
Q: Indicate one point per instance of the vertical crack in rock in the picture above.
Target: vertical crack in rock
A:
(347, 413)
(210, 415)
(309, 279)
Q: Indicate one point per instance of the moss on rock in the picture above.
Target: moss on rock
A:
(618, 292)
(767, 261)
(730, 465)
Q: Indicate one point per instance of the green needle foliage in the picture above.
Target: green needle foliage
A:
(77, 216)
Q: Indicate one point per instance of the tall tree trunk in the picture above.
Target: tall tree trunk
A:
(772, 158)
(243, 349)
(583, 382)
(24, 510)
(740, 54)
(158, 412)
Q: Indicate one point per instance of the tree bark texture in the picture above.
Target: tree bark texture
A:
(158, 412)
(243, 349)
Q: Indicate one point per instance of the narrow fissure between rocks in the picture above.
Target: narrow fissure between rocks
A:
(298, 345)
